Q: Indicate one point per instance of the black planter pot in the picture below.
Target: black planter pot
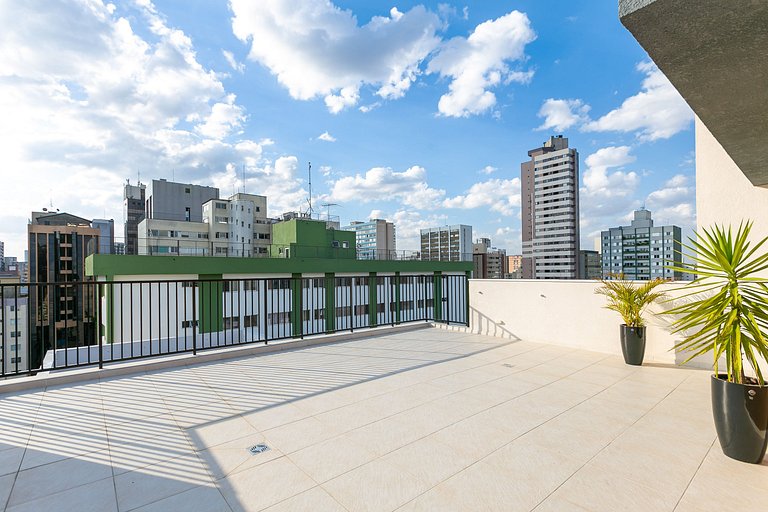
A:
(633, 344)
(741, 418)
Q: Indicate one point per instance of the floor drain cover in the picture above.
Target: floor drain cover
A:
(258, 448)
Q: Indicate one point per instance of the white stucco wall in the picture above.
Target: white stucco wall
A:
(566, 313)
(723, 194)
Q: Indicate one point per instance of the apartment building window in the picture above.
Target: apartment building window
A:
(221, 206)
(15, 347)
(187, 190)
(279, 318)
(186, 324)
(15, 334)
(278, 284)
(251, 320)
(15, 360)
(231, 322)
(187, 214)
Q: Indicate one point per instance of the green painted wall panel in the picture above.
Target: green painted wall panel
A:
(210, 304)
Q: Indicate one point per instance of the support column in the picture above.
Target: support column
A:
(330, 302)
(297, 294)
(437, 296)
(372, 299)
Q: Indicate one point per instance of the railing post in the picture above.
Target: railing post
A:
(101, 340)
(194, 317)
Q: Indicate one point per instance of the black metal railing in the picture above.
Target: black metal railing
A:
(50, 326)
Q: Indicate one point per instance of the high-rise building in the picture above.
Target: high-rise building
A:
(590, 266)
(550, 211)
(13, 330)
(447, 243)
(514, 262)
(641, 250)
(106, 229)
(133, 213)
(237, 226)
(168, 200)
(61, 315)
(375, 239)
(489, 262)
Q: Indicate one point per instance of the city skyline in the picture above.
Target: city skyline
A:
(400, 130)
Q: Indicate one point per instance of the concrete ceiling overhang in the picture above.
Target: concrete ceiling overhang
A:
(715, 53)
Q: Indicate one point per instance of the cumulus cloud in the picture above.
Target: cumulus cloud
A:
(316, 49)
(230, 58)
(674, 203)
(607, 189)
(501, 196)
(409, 187)
(106, 96)
(480, 62)
(327, 137)
(488, 170)
(562, 114)
(656, 112)
(408, 225)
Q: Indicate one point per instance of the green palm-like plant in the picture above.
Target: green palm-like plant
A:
(727, 307)
(628, 299)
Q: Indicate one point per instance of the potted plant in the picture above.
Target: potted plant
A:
(630, 300)
(726, 312)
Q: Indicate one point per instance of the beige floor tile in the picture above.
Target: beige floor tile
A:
(264, 485)
(599, 491)
(10, 460)
(220, 431)
(199, 499)
(271, 417)
(313, 500)
(153, 483)
(52, 442)
(94, 497)
(429, 460)
(376, 486)
(231, 457)
(41, 481)
(331, 458)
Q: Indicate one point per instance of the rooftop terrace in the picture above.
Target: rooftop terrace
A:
(426, 419)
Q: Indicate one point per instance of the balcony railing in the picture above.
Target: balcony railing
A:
(103, 322)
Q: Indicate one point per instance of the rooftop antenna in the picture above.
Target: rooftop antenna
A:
(328, 206)
(139, 177)
(309, 171)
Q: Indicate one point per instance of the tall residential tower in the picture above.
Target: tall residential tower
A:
(550, 211)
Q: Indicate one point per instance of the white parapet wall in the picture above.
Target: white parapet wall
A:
(567, 313)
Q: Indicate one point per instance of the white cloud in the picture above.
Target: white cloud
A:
(327, 137)
(230, 58)
(674, 203)
(607, 190)
(488, 170)
(408, 226)
(225, 117)
(656, 112)
(409, 187)
(562, 114)
(101, 98)
(316, 49)
(501, 196)
(480, 62)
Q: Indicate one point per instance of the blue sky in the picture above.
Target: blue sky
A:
(420, 112)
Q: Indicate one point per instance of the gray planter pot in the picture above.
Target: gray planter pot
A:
(633, 344)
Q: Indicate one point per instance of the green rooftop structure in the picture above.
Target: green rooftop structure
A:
(307, 238)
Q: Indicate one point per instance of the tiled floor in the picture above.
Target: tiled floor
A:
(426, 420)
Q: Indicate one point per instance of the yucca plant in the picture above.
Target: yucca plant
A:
(629, 299)
(726, 309)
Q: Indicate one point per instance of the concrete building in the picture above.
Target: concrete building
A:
(375, 239)
(447, 243)
(709, 54)
(169, 200)
(106, 229)
(236, 227)
(133, 213)
(590, 265)
(641, 250)
(14, 356)
(550, 211)
(309, 238)
(489, 262)
(61, 315)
